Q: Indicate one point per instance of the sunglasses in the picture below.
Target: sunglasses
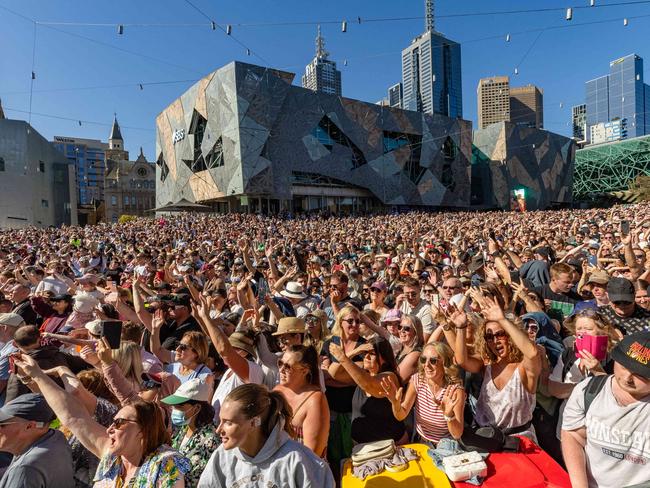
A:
(333, 287)
(352, 321)
(375, 290)
(119, 423)
(405, 328)
(500, 334)
(428, 290)
(311, 320)
(426, 359)
(282, 365)
(450, 287)
(532, 327)
(184, 347)
(411, 293)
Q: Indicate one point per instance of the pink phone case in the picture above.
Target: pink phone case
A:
(596, 345)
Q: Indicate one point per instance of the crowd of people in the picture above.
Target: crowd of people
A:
(248, 350)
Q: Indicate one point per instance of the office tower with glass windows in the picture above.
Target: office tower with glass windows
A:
(395, 96)
(579, 121)
(620, 96)
(431, 72)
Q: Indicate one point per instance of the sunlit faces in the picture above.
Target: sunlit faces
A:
(406, 332)
(291, 370)
(184, 353)
(350, 324)
(496, 339)
(431, 363)
(412, 295)
(234, 428)
(392, 326)
(124, 432)
(288, 340)
(563, 282)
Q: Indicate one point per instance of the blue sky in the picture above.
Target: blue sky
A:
(559, 62)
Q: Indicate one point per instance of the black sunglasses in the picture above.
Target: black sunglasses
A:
(118, 423)
(500, 334)
(432, 361)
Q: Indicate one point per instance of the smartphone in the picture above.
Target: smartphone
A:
(112, 330)
(596, 345)
(625, 227)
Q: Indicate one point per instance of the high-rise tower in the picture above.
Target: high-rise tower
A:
(321, 74)
(431, 72)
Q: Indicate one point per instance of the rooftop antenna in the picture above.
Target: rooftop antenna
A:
(429, 21)
(321, 52)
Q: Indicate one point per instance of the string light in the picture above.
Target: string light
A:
(120, 29)
(344, 26)
(569, 13)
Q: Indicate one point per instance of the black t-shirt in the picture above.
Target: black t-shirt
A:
(171, 333)
(114, 275)
(339, 398)
(637, 322)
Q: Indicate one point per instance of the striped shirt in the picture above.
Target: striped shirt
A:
(429, 419)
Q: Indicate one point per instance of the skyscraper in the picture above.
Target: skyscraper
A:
(321, 74)
(431, 72)
(620, 95)
(527, 106)
(579, 121)
(493, 96)
(395, 95)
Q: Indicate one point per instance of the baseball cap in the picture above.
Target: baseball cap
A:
(599, 277)
(30, 406)
(12, 319)
(94, 327)
(195, 389)
(380, 285)
(620, 290)
(63, 297)
(633, 353)
(181, 300)
(393, 315)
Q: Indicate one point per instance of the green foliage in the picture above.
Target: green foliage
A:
(126, 218)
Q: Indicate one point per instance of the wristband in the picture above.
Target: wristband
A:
(448, 419)
(463, 327)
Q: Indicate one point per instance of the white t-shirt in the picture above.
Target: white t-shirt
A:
(618, 437)
(230, 381)
(422, 311)
(55, 285)
(573, 376)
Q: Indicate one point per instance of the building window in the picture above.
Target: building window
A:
(2, 164)
(113, 200)
(328, 134)
(126, 200)
(214, 158)
(412, 167)
(164, 169)
(41, 166)
(45, 204)
(197, 131)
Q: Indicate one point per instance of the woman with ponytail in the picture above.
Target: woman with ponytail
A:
(256, 446)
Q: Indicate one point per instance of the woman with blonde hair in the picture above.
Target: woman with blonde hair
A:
(436, 392)
(411, 338)
(316, 329)
(256, 430)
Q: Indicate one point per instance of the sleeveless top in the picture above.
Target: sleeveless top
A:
(430, 421)
(507, 408)
(298, 428)
(373, 419)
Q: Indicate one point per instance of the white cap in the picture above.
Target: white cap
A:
(94, 327)
(195, 389)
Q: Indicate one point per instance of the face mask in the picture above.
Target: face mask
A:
(178, 418)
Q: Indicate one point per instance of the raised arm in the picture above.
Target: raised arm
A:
(69, 411)
(394, 393)
(233, 360)
(367, 382)
(154, 339)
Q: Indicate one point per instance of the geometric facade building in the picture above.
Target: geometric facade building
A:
(511, 161)
(245, 138)
(610, 167)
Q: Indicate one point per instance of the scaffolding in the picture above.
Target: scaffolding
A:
(610, 167)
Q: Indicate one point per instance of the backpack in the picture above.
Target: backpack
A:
(596, 383)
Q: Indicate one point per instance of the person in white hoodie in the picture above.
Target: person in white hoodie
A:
(256, 447)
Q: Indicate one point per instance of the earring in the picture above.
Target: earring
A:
(257, 422)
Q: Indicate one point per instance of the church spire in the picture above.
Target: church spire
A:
(2, 113)
(115, 130)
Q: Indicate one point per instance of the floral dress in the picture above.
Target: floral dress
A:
(197, 449)
(161, 469)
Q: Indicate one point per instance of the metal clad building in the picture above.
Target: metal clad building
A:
(244, 138)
